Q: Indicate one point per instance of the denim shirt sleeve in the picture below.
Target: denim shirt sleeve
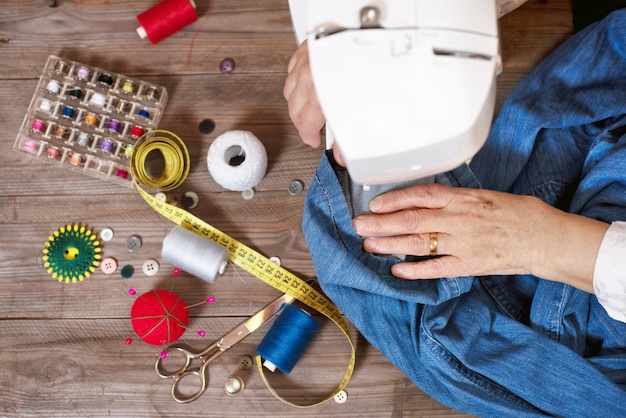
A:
(609, 278)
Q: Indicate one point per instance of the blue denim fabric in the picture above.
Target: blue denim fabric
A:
(515, 345)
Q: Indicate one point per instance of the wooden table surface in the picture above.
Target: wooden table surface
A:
(63, 348)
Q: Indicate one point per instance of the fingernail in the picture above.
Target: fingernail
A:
(370, 245)
(376, 204)
(358, 224)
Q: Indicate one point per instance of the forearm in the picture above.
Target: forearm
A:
(567, 247)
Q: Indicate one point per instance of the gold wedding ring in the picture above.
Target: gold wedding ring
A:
(433, 244)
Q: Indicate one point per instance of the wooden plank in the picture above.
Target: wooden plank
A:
(83, 367)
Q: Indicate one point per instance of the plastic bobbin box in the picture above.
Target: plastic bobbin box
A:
(87, 119)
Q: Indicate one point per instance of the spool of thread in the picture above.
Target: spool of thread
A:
(75, 92)
(128, 87)
(91, 119)
(288, 338)
(53, 87)
(105, 79)
(38, 125)
(31, 146)
(83, 139)
(194, 254)
(128, 151)
(60, 131)
(106, 145)
(136, 132)
(53, 153)
(76, 159)
(152, 93)
(114, 125)
(237, 160)
(83, 73)
(97, 99)
(144, 113)
(165, 19)
(45, 105)
(122, 106)
(121, 173)
(68, 112)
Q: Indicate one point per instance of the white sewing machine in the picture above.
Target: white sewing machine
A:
(407, 86)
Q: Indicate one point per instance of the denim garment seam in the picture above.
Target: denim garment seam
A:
(440, 352)
(492, 287)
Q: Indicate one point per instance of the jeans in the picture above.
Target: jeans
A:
(503, 345)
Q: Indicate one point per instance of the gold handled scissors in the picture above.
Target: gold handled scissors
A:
(214, 350)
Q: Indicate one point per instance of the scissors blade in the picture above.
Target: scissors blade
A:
(254, 322)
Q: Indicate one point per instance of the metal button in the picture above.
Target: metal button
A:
(133, 243)
(295, 187)
(234, 385)
(150, 267)
(106, 234)
(108, 265)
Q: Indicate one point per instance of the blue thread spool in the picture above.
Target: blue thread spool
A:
(68, 112)
(144, 113)
(287, 339)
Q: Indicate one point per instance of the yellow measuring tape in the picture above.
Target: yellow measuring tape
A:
(260, 267)
(175, 160)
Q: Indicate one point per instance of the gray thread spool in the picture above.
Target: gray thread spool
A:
(194, 254)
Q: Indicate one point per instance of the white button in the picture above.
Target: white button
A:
(108, 265)
(275, 260)
(247, 194)
(150, 267)
(341, 397)
(106, 234)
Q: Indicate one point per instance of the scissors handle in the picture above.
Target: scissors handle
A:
(201, 373)
(166, 354)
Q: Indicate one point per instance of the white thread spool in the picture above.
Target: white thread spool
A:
(237, 160)
(194, 254)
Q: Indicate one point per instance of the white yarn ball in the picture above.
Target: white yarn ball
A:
(237, 160)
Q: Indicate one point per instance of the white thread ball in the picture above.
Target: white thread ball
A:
(237, 160)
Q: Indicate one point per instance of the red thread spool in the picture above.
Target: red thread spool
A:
(165, 19)
(159, 317)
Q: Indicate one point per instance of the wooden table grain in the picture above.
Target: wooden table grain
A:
(63, 350)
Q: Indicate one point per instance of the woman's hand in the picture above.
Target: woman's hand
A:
(481, 232)
(304, 107)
